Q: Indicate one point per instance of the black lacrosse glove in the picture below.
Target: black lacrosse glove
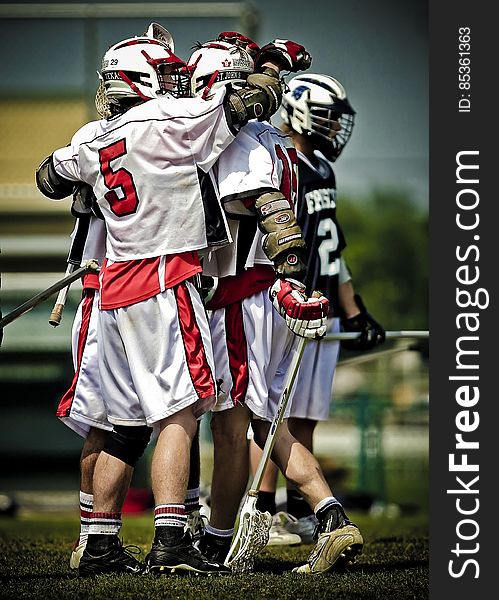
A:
(372, 333)
(85, 202)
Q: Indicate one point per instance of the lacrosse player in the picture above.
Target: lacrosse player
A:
(317, 115)
(82, 407)
(253, 345)
(155, 357)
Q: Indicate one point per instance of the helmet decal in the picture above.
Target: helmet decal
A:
(297, 92)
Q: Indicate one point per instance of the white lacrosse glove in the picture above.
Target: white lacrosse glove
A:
(305, 317)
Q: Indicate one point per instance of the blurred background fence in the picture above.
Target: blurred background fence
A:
(375, 445)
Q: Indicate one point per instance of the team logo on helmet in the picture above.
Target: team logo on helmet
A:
(292, 259)
(226, 62)
(297, 92)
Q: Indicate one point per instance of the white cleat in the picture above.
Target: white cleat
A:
(279, 535)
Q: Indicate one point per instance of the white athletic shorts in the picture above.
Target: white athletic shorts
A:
(155, 358)
(313, 389)
(253, 348)
(82, 405)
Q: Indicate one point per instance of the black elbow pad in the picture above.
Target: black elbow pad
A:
(50, 183)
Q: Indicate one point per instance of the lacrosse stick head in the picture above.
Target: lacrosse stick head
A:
(250, 538)
(101, 102)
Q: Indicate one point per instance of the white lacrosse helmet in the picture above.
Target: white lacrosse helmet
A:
(311, 104)
(145, 68)
(218, 63)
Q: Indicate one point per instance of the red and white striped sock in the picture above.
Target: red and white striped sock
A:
(104, 523)
(86, 507)
(170, 515)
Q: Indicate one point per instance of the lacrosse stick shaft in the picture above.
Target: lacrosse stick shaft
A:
(274, 428)
(90, 266)
(75, 256)
(352, 335)
(56, 314)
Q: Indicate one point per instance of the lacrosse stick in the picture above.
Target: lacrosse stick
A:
(352, 335)
(252, 533)
(90, 266)
(74, 261)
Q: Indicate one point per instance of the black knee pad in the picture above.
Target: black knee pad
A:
(128, 443)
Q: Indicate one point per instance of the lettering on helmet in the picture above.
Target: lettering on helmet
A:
(292, 259)
(243, 63)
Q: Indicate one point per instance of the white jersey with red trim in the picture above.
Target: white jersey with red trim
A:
(143, 166)
(261, 158)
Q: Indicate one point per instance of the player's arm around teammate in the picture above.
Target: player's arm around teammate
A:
(155, 357)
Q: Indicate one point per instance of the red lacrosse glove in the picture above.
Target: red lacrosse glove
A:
(238, 39)
(289, 55)
(305, 317)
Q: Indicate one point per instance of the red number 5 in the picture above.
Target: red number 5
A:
(121, 178)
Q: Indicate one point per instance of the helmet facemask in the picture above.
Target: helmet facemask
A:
(329, 141)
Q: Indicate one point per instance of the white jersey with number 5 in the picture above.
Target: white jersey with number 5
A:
(143, 166)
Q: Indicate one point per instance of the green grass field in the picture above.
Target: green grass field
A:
(34, 563)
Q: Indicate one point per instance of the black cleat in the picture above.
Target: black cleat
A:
(214, 547)
(110, 556)
(181, 558)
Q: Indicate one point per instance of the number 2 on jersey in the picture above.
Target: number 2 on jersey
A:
(327, 246)
(118, 179)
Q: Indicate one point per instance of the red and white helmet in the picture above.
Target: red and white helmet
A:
(145, 68)
(218, 63)
(311, 104)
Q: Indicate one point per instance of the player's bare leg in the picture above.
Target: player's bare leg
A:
(172, 549)
(301, 517)
(104, 552)
(170, 462)
(298, 465)
(111, 482)
(339, 540)
(231, 464)
(229, 479)
(92, 447)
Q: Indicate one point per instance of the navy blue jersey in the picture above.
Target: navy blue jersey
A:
(316, 215)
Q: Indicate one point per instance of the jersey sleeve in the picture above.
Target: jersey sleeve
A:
(66, 159)
(245, 170)
(207, 128)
